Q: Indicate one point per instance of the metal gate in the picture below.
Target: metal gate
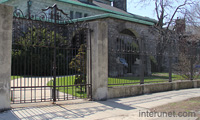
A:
(48, 57)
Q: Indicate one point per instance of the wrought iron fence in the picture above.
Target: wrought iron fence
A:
(48, 58)
(145, 61)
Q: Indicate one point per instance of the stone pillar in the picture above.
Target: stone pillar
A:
(6, 19)
(99, 60)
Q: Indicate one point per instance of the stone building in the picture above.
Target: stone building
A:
(126, 32)
(74, 8)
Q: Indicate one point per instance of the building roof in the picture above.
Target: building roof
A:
(110, 15)
(107, 8)
(2, 1)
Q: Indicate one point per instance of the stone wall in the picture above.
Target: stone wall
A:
(125, 91)
(6, 15)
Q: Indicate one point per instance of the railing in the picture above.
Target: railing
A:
(132, 64)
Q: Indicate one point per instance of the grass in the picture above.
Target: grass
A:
(69, 88)
(68, 82)
(155, 78)
(131, 81)
(15, 77)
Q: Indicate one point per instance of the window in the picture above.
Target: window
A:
(111, 4)
(71, 14)
(78, 15)
(85, 15)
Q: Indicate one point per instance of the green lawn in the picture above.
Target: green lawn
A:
(155, 78)
(70, 88)
(15, 77)
(121, 81)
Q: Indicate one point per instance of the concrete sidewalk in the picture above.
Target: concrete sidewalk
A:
(113, 109)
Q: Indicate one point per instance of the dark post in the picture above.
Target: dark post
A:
(192, 54)
(54, 62)
(142, 70)
(90, 71)
(142, 64)
(170, 68)
(191, 69)
(170, 62)
(29, 7)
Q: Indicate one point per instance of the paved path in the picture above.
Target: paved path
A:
(113, 109)
(30, 93)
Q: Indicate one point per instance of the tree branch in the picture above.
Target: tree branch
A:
(185, 2)
(157, 13)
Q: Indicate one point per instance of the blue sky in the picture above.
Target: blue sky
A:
(148, 10)
(138, 9)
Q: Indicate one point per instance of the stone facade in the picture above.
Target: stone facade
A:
(136, 35)
(37, 5)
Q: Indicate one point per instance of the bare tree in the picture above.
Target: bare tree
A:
(192, 41)
(166, 11)
(193, 15)
(188, 61)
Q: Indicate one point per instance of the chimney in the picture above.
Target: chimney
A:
(121, 4)
(180, 25)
